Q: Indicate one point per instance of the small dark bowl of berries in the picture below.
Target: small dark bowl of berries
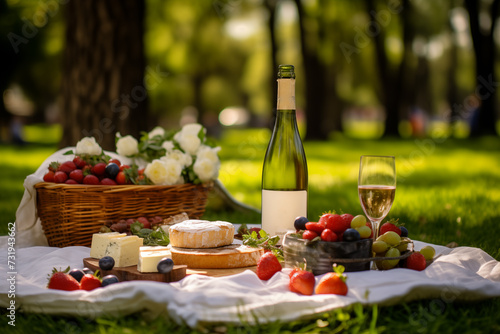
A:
(331, 240)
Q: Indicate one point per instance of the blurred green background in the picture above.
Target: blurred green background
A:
(364, 68)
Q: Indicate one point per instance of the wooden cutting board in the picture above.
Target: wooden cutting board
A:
(131, 273)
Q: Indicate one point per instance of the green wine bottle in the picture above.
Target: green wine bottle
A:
(284, 174)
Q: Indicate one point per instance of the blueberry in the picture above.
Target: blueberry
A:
(165, 265)
(300, 223)
(109, 279)
(112, 170)
(351, 235)
(106, 263)
(404, 231)
(77, 274)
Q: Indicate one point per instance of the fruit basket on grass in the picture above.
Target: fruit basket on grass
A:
(172, 173)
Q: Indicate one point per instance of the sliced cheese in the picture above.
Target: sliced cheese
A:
(100, 241)
(149, 258)
(124, 250)
(232, 256)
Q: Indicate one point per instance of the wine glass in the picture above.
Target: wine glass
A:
(376, 187)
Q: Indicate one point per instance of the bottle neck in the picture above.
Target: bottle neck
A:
(286, 94)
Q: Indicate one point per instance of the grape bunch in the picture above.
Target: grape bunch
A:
(392, 242)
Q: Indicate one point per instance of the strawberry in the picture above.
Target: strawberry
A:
(54, 166)
(115, 161)
(336, 223)
(67, 167)
(294, 270)
(90, 282)
(60, 280)
(90, 179)
(328, 235)
(122, 167)
(267, 266)
(99, 169)
(346, 219)
(316, 227)
(71, 181)
(49, 177)
(416, 261)
(60, 177)
(76, 175)
(108, 182)
(121, 178)
(79, 162)
(333, 283)
(302, 281)
(309, 235)
(389, 226)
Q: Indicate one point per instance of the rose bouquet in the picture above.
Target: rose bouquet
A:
(171, 157)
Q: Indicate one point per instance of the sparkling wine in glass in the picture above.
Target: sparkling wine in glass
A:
(376, 187)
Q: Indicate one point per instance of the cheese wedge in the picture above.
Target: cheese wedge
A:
(100, 241)
(124, 250)
(149, 258)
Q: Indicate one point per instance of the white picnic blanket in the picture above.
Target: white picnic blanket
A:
(462, 273)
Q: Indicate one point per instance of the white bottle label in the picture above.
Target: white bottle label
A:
(280, 208)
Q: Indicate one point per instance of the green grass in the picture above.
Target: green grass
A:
(448, 190)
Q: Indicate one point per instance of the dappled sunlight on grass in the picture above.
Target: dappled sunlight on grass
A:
(447, 191)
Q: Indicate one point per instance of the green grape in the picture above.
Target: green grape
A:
(392, 238)
(380, 247)
(364, 231)
(389, 264)
(428, 252)
(403, 246)
(358, 221)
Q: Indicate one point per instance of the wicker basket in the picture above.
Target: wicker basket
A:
(70, 214)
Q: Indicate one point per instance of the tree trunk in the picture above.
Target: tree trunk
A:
(104, 88)
(484, 123)
(315, 83)
(271, 8)
(390, 90)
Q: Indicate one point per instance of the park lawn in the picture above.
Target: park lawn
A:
(448, 191)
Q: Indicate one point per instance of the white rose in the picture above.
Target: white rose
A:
(183, 158)
(127, 146)
(158, 131)
(207, 152)
(164, 172)
(189, 142)
(192, 128)
(206, 169)
(168, 145)
(88, 146)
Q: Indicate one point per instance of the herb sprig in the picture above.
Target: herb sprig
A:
(265, 241)
(156, 237)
